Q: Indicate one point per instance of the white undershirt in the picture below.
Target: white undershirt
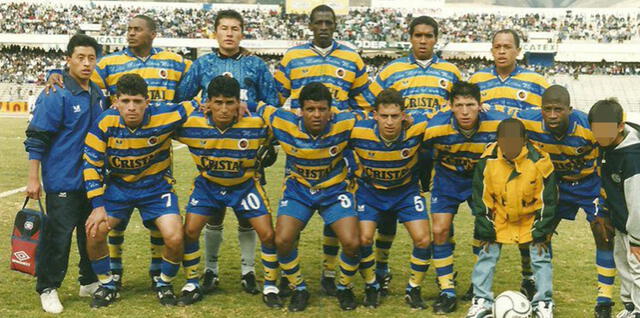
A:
(323, 51)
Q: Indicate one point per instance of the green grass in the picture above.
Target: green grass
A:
(574, 269)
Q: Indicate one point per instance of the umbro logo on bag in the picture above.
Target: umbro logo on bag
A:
(21, 256)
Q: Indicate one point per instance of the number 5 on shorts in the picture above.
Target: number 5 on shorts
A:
(419, 203)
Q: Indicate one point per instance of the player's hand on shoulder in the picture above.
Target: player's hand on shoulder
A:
(54, 80)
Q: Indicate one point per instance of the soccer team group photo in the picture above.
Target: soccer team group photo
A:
(426, 159)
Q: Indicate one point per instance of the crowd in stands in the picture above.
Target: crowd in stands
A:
(24, 65)
(360, 24)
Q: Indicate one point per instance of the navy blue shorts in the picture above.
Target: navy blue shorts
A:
(450, 189)
(332, 203)
(247, 199)
(406, 203)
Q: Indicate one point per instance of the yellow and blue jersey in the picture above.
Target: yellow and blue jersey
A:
(342, 70)
(522, 89)
(162, 71)
(387, 165)
(225, 157)
(134, 158)
(454, 151)
(315, 162)
(574, 156)
(424, 88)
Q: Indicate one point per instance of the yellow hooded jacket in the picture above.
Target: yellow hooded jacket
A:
(514, 202)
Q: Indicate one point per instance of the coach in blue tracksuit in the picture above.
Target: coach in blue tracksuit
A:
(55, 142)
(256, 85)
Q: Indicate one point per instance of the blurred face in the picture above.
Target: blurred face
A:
(504, 50)
(229, 34)
(556, 117)
(465, 109)
(316, 115)
(131, 108)
(82, 62)
(223, 110)
(139, 35)
(606, 134)
(323, 26)
(423, 40)
(510, 142)
(390, 119)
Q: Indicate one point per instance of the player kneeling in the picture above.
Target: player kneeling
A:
(514, 200)
(225, 150)
(387, 182)
(127, 165)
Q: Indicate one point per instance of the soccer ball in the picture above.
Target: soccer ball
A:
(511, 304)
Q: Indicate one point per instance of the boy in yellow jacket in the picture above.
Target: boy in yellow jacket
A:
(514, 202)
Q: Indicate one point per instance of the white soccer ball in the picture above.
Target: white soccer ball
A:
(511, 304)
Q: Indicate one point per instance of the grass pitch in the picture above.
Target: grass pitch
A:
(574, 262)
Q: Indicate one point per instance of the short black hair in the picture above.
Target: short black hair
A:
(322, 8)
(314, 91)
(516, 36)
(82, 40)
(606, 111)
(132, 84)
(390, 96)
(228, 14)
(225, 86)
(556, 94)
(423, 20)
(463, 88)
(511, 122)
(153, 26)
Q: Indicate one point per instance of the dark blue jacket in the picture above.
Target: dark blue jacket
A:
(56, 134)
(256, 82)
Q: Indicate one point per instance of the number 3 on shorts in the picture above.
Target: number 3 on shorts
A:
(345, 202)
(251, 202)
(417, 200)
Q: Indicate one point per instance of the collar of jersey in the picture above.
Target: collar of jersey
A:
(334, 45)
(236, 56)
(571, 128)
(213, 125)
(434, 59)
(515, 72)
(72, 85)
(400, 138)
(153, 52)
(304, 129)
(145, 119)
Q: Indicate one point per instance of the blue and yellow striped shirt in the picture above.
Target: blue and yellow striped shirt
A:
(225, 157)
(424, 88)
(452, 150)
(387, 166)
(523, 88)
(574, 156)
(342, 70)
(135, 158)
(316, 162)
(162, 71)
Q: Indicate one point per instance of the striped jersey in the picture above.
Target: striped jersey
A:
(225, 157)
(424, 88)
(523, 88)
(452, 150)
(387, 165)
(575, 155)
(134, 158)
(316, 162)
(342, 70)
(162, 71)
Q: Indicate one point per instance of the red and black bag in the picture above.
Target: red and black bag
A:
(27, 234)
